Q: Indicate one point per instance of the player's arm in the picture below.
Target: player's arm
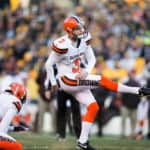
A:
(89, 55)
(91, 60)
(7, 119)
(58, 50)
(50, 77)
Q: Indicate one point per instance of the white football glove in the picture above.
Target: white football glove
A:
(81, 75)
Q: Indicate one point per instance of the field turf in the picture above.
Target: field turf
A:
(32, 141)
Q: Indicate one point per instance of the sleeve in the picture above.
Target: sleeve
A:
(7, 119)
(52, 59)
(91, 60)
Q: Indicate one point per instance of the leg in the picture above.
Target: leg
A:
(124, 114)
(133, 121)
(92, 81)
(117, 87)
(100, 120)
(61, 114)
(142, 115)
(69, 117)
(42, 109)
(76, 116)
(52, 110)
(86, 97)
(100, 94)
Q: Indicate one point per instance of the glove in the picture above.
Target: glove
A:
(50, 94)
(81, 75)
(54, 90)
(20, 128)
(47, 95)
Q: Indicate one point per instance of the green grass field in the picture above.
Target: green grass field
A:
(32, 141)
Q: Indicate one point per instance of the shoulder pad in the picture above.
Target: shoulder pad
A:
(60, 45)
(88, 39)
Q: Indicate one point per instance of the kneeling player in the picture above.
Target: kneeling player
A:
(11, 101)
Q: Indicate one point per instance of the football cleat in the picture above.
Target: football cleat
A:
(84, 146)
(144, 91)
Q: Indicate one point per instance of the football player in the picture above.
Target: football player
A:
(11, 101)
(74, 58)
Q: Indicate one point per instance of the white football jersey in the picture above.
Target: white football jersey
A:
(9, 107)
(69, 57)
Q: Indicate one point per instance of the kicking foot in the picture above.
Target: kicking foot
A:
(144, 91)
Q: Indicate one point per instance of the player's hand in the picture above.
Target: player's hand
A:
(81, 75)
(47, 94)
(20, 128)
(54, 90)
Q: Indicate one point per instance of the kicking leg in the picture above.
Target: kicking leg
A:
(118, 87)
(92, 81)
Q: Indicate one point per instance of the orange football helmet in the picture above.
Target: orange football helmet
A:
(75, 27)
(17, 90)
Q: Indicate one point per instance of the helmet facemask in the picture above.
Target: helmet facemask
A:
(79, 32)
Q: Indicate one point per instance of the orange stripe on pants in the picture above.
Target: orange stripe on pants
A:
(109, 84)
(92, 110)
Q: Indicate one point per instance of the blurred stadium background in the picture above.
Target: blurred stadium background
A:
(121, 42)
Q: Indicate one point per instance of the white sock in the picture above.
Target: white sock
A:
(128, 89)
(86, 126)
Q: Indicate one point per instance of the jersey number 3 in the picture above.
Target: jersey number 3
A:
(76, 65)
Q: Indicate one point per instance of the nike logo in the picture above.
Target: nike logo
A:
(82, 146)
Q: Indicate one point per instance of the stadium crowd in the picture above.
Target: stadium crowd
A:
(121, 42)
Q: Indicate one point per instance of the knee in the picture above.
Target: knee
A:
(94, 107)
(92, 110)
